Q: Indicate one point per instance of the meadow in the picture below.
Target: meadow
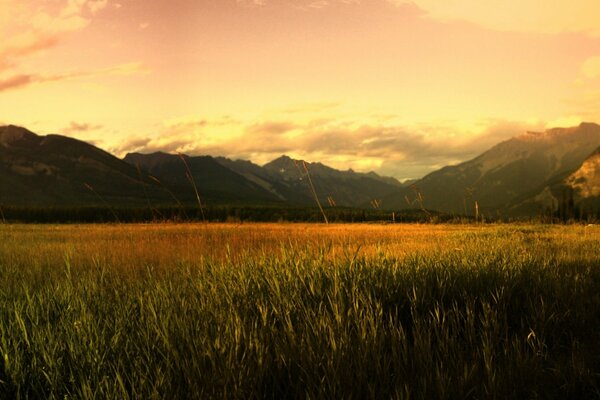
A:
(243, 311)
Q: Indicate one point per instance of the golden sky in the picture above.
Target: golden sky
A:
(399, 87)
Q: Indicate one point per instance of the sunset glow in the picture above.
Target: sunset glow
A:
(399, 87)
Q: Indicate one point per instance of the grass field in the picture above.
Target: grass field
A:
(299, 311)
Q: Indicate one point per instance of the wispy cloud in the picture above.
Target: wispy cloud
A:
(298, 4)
(22, 80)
(27, 27)
(591, 68)
(16, 81)
(517, 15)
(80, 127)
(271, 128)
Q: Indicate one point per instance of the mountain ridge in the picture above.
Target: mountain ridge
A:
(55, 170)
(515, 177)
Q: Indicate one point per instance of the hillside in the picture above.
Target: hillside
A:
(345, 188)
(510, 170)
(282, 180)
(215, 183)
(54, 170)
(586, 180)
(581, 185)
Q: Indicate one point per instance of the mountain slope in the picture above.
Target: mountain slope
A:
(268, 180)
(581, 185)
(507, 171)
(586, 180)
(346, 188)
(214, 182)
(54, 170)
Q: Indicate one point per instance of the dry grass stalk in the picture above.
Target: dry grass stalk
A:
(468, 195)
(90, 188)
(137, 165)
(331, 201)
(2, 215)
(419, 199)
(314, 192)
(155, 179)
(190, 178)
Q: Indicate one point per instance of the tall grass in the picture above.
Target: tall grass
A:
(108, 206)
(143, 183)
(314, 192)
(190, 178)
(339, 312)
(170, 192)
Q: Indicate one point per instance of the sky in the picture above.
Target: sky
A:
(398, 87)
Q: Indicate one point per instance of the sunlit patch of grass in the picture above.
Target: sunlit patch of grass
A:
(310, 311)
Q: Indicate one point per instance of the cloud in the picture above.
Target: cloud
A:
(584, 101)
(312, 107)
(250, 3)
(23, 80)
(75, 127)
(96, 5)
(133, 144)
(15, 82)
(401, 151)
(28, 27)
(585, 104)
(184, 126)
(270, 128)
(517, 15)
(507, 15)
(24, 45)
(132, 68)
(298, 4)
(138, 144)
(591, 68)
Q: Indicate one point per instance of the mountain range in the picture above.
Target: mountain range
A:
(521, 176)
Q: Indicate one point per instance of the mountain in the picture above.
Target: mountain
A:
(520, 176)
(58, 171)
(586, 180)
(345, 188)
(268, 180)
(513, 169)
(55, 170)
(582, 186)
(287, 179)
(215, 182)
